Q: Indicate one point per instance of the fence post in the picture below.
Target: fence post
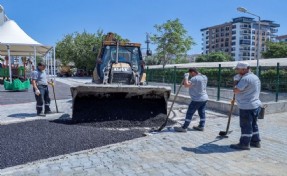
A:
(218, 82)
(174, 79)
(277, 82)
(163, 74)
(260, 69)
(147, 75)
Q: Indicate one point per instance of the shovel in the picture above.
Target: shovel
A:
(164, 124)
(225, 133)
(53, 86)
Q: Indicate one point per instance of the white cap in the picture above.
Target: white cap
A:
(242, 65)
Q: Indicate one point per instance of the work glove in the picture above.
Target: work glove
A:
(37, 92)
(51, 83)
(237, 77)
(186, 75)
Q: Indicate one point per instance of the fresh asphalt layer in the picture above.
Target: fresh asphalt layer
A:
(40, 139)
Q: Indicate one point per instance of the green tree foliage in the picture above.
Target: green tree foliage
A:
(214, 57)
(152, 60)
(275, 50)
(78, 48)
(172, 41)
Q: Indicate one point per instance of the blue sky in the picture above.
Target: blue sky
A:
(47, 21)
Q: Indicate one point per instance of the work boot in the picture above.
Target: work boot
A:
(179, 129)
(49, 112)
(41, 114)
(239, 147)
(255, 144)
(198, 128)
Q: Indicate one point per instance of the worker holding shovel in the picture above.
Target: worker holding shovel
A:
(197, 91)
(247, 93)
(40, 87)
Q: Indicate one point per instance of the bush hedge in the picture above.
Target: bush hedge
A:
(268, 77)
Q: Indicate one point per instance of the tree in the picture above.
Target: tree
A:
(78, 48)
(172, 41)
(214, 57)
(275, 50)
(152, 60)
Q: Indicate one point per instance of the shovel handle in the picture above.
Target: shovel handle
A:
(230, 113)
(164, 124)
(53, 86)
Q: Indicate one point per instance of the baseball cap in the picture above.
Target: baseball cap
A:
(41, 64)
(192, 69)
(241, 65)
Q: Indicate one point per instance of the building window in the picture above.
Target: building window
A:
(222, 29)
(222, 34)
(227, 28)
(233, 32)
(233, 37)
(233, 26)
(222, 39)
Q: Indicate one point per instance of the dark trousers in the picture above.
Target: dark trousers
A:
(42, 98)
(248, 125)
(193, 106)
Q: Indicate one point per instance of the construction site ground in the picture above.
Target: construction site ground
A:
(164, 153)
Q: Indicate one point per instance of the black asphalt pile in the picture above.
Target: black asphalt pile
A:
(116, 107)
(29, 141)
(154, 122)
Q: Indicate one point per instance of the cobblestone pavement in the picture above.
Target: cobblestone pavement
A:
(165, 153)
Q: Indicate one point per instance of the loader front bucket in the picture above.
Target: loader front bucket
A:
(118, 102)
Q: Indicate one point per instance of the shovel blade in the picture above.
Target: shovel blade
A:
(224, 133)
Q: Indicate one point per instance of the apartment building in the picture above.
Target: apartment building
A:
(239, 38)
(282, 38)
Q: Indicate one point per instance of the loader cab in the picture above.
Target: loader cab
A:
(121, 68)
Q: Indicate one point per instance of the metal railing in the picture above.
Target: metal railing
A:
(220, 81)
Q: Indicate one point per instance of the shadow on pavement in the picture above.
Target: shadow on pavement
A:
(23, 115)
(209, 147)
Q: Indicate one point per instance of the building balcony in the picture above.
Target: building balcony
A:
(246, 42)
(273, 30)
(244, 49)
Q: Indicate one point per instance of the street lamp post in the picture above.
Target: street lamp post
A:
(242, 9)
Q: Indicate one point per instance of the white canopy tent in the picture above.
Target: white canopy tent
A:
(15, 42)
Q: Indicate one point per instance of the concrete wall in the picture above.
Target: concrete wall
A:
(224, 106)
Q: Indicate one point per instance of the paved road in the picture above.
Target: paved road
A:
(9, 97)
